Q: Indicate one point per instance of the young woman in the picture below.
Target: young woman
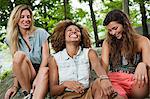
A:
(69, 67)
(125, 56)
(30, 51)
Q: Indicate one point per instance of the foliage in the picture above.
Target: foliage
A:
(5, 74)
(48, 13)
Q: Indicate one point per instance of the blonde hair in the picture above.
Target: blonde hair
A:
(13, 28)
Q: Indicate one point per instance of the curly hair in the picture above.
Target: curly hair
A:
(58, 36)
(127, 42)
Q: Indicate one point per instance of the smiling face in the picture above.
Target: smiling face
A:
(115, 29)
(25, 20)
(72, 34)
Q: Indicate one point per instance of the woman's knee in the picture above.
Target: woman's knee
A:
(19, 57)
(140, 92)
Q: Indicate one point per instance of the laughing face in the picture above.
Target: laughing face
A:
(72, 34)
(25, 20)
(115, 29)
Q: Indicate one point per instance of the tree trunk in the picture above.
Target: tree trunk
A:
(45, 14)
(94, 23)
(126, 6)
(144, 18)
(65, 9)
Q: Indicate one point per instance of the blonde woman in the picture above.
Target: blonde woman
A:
(29, 48)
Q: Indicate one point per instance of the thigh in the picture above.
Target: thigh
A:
(139, 92)
(73, 95)
(22, 63)
(31, 68)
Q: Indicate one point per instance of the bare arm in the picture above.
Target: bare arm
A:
(15, 83)
(95, 63)
(55, 88)
(45, 54)
(140, 74)
(105, 55)
(12, 90)
(145, 46)
(105, 84)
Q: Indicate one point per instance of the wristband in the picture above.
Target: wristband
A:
(103, 77)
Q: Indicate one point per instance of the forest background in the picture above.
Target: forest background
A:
(90, 13)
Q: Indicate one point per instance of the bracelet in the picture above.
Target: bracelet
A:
(103, 77)
(114, 94)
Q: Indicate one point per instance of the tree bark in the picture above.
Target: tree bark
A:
(94, 23)
(144, 18)
(45, 14)
(65, 9)
(126, 6)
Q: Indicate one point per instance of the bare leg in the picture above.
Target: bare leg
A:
(98, 93)
(139, 93)
(41, 88)
(23, 69)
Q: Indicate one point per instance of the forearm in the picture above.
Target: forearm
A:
(100, 71)
(43, 63)
(45, 54)
(57, 90)
(15, 82)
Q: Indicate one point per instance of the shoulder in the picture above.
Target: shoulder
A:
(105, 46)
(105, 43)
(58, 55)
(92, 52)
(142, 40)
(40, 31)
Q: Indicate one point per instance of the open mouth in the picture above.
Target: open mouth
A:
(73, 35)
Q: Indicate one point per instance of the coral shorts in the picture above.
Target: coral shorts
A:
(122, 82)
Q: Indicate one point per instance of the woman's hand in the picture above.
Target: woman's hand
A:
(106, 87)
(140, 75)
(74, 85)
(11, 92)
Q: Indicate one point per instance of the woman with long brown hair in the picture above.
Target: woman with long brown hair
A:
(125, 56)
(30, 51)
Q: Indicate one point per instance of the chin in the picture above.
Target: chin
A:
(119, 37)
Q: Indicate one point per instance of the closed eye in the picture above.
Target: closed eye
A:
(114, 28)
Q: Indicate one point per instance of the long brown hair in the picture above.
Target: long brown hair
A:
(127, 43)
(58, 36)
(13, 28)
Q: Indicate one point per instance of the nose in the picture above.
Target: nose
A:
(73, 31)
(26, 18)
(112, 32)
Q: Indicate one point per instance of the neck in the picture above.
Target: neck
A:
(72, 49)
(23, 32)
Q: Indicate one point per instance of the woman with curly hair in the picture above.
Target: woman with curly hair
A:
(30, 51)
(125, 56)
(69, 67)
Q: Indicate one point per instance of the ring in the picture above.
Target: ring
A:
(142, 77)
